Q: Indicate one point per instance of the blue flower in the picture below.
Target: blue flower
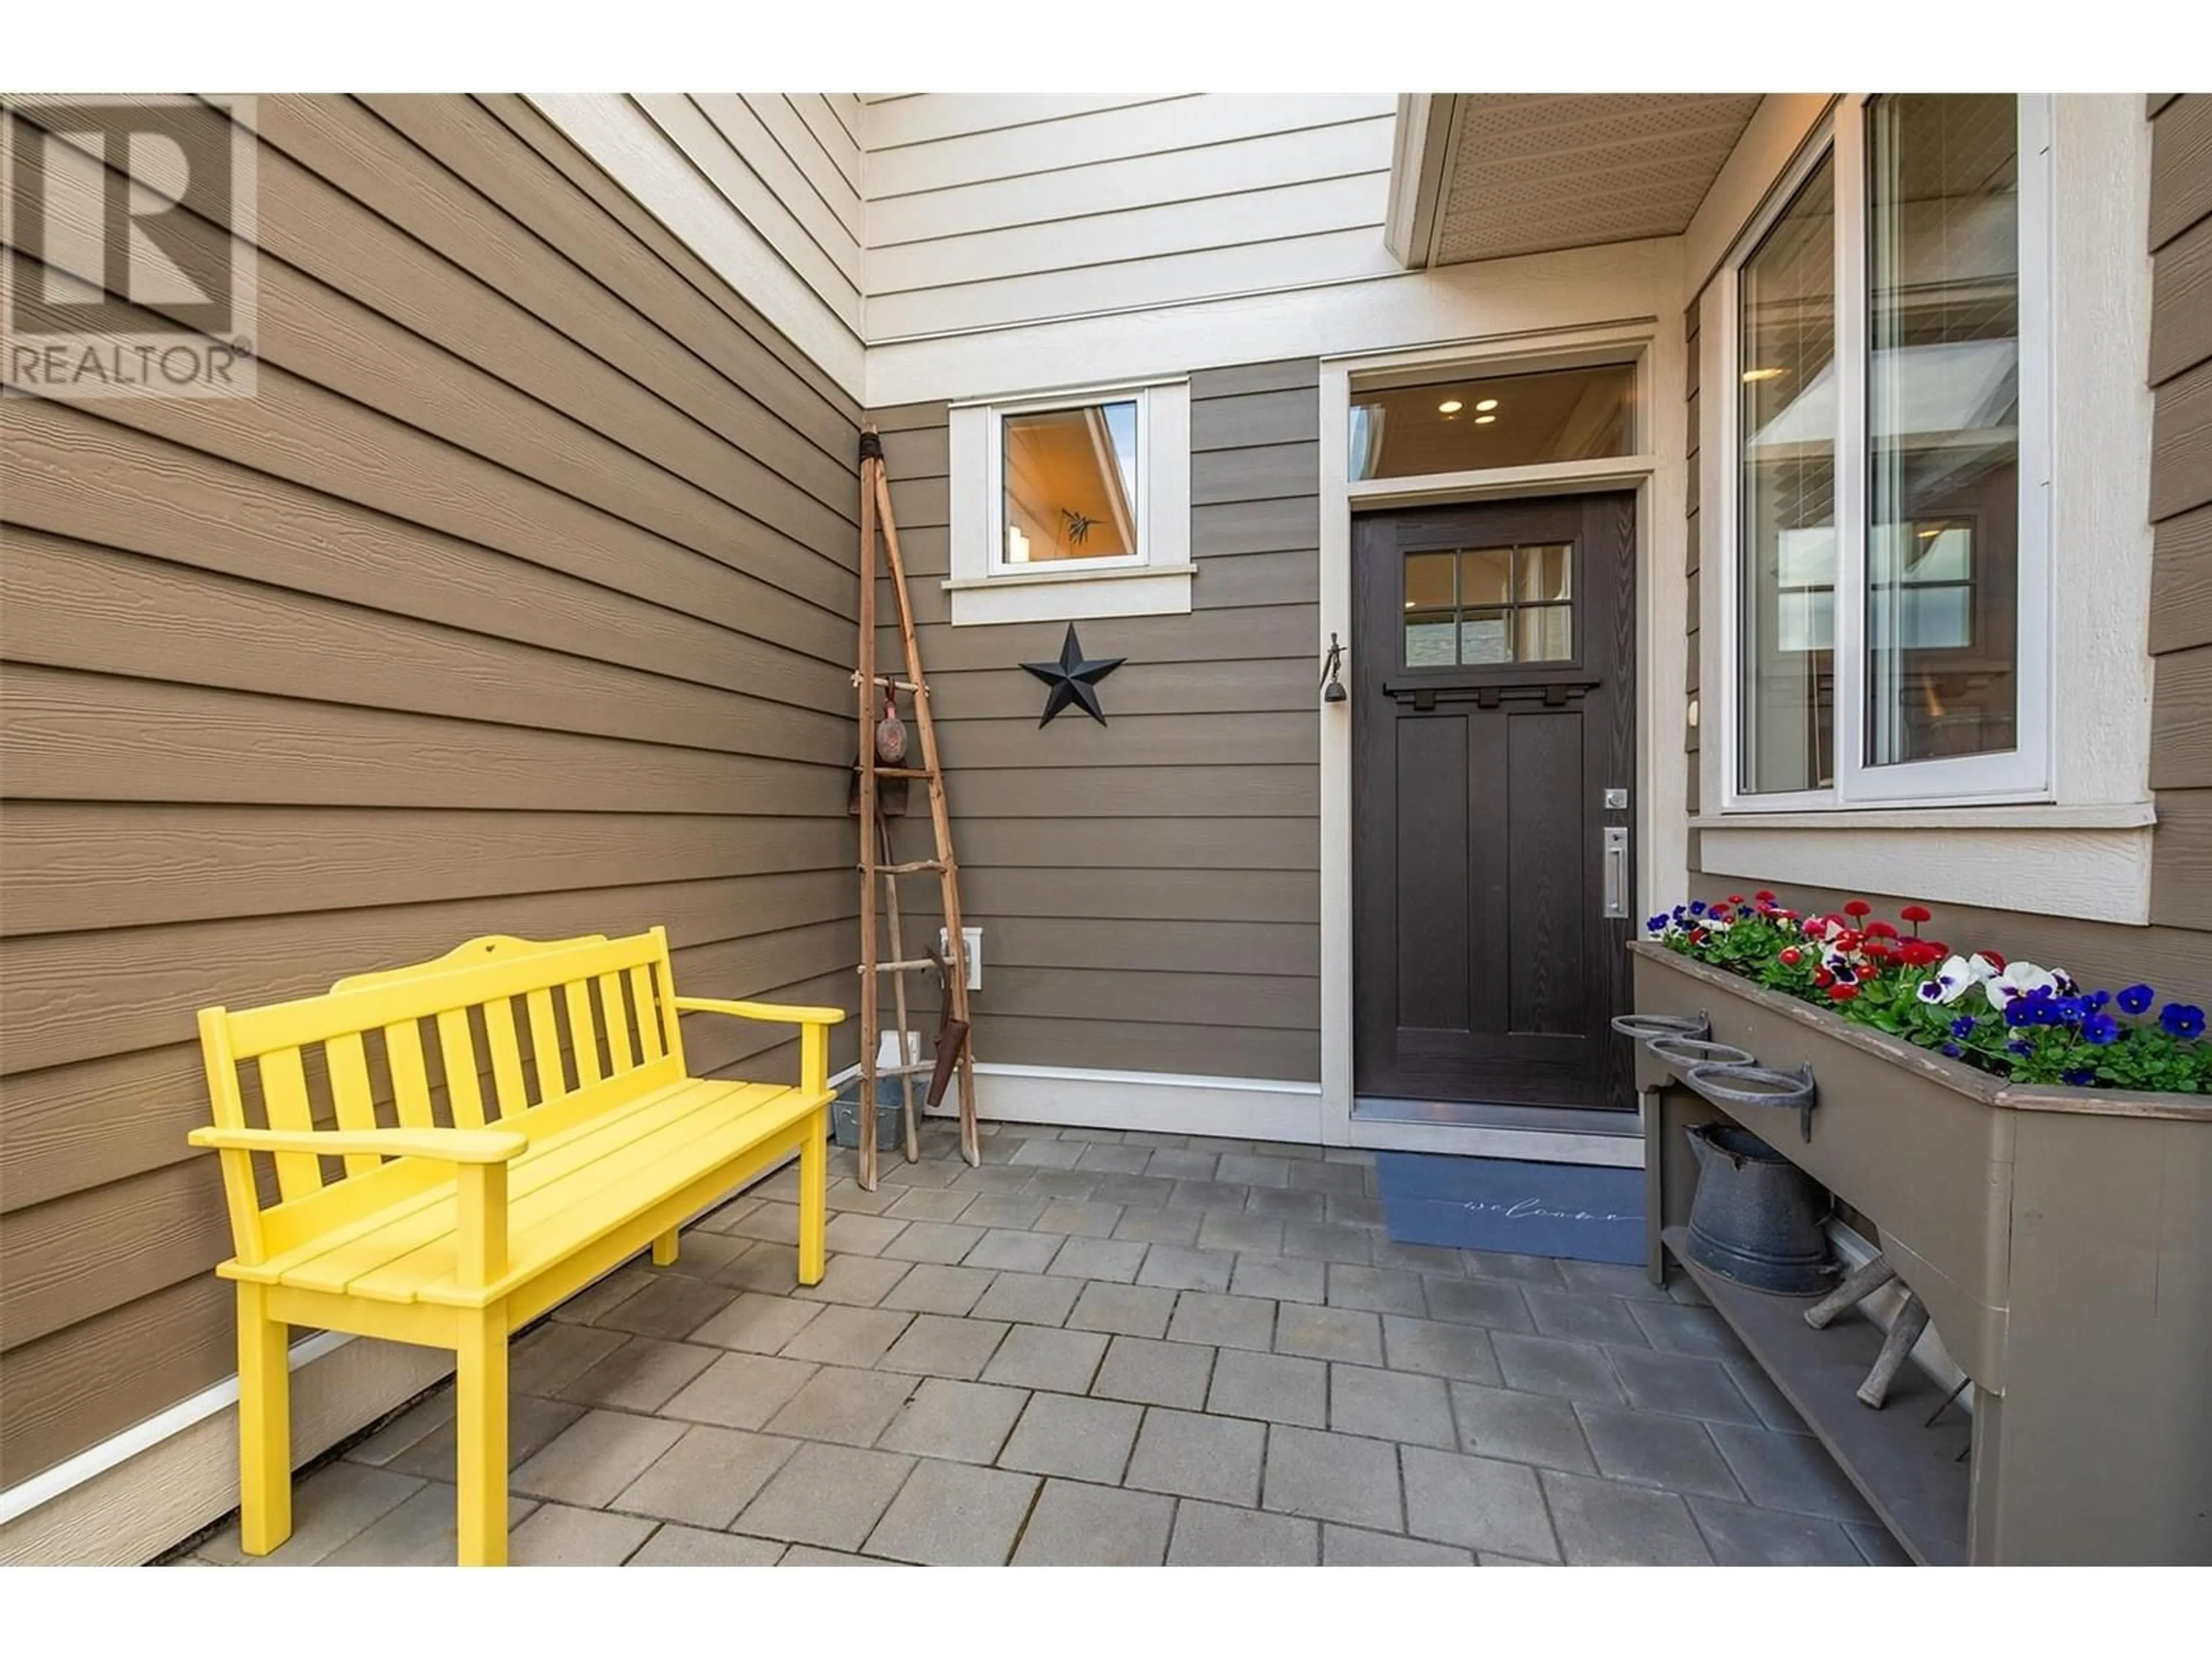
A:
(1963, 1027)
(2079, 1076)
(1696, 907)
(2100, 998)
(2071, 1008)
(1953, 1050)
(2021, 1046)
(2136, 999)
(1656, 924)
(2100, 1028)
(2182, 1019)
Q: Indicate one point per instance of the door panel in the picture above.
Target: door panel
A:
(1492, 683)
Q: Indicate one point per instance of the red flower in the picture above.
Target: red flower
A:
(1916, 913)
(1879, 930)
(1846, 940)
(1696, 936)
(1764, 896)
(1823, 978)
(1919, 953)
(1993, 960)
(1941, 949)
(1735, 898)
(1842, 993)
(1877, 951)
(1858, 908)
(1791, 956)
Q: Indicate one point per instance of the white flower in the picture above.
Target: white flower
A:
(2017, 979)
(1949, 982)
(1982, 967)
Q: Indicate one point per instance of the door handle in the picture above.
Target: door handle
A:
(1616, 871)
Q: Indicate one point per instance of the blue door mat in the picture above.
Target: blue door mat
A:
(1575, 1210)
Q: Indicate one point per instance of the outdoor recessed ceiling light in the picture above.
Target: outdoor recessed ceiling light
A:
(1486, 405)
(1751, 374)
(1483, 420)
(1450, 406)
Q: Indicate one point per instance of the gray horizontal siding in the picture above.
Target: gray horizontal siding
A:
(1149, 889)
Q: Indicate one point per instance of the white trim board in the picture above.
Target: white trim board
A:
(1252, 1109)
(124, 1501)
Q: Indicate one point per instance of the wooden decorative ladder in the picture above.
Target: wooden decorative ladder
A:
(877, 856)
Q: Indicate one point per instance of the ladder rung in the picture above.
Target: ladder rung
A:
(897, 684)
(918, 866)
(895, 967)
(902, 772)
(914, 1070)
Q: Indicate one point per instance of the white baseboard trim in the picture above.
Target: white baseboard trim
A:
(1233, 1108)
(124, 1501)
(1252, 1109)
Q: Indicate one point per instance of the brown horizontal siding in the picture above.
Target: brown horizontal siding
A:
(1149, 889)
(2180, 376)
(519, 600)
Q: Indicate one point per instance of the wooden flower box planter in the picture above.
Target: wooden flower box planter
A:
(2061, 1239)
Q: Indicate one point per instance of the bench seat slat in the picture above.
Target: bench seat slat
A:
(327, 1257)
(577, 1212)
(561, 1199)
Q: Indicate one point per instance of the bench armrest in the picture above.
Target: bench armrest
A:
(480, 1158)
(447, 1145)
(813, 1037)
(786, 1013)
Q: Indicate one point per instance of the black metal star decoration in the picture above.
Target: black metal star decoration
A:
(1074, 679)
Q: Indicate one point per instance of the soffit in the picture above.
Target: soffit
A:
(1529, 173)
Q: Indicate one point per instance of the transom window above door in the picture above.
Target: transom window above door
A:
(1482, 606)
(1476, 424)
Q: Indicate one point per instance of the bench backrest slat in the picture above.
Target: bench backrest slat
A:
(544, 1044)
(350, 1091)
(457, 1053)
(583, 1033)
(410, 1078)
(648, 1028)
(612, 1047)
(506, 1058)
(284, 1101)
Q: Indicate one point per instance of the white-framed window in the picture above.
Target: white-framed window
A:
(1886, 598)
(1071, 505)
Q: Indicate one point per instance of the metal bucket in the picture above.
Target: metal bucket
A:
(1757, 1217)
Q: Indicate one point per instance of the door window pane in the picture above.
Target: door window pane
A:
(1786, 402)
(1944, 423)
(1071, 484)
(1487, 605)
(1507, 420)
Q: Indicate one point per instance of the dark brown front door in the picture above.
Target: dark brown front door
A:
(1493, 672)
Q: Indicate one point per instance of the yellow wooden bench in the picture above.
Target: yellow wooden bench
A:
(451, 1229)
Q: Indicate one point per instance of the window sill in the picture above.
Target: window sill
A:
(2029, 815)
(1072, 595)
(2092, 862)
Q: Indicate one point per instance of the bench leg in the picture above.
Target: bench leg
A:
(814, 1200)
(480, 1420)
(265, 1426)
(663, 1250)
